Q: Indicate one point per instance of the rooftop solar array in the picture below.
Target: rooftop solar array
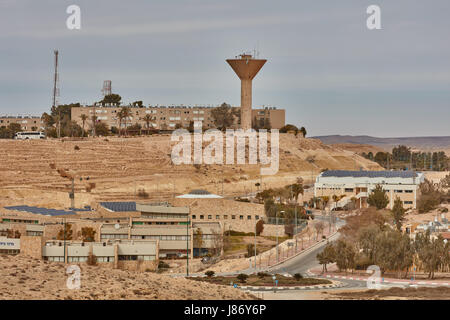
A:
(119, 206)
(44, 211)
(369, 174)
(199, 191)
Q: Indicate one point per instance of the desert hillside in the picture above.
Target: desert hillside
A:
(120, 167)
(26, 278)
(420, 143)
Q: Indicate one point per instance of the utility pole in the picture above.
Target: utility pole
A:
(255, 245)
(64, 235)
(187, 246)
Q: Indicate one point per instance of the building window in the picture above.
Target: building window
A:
(348, 189)
(202, 217)
(249, 217)
(193, 216)
(241, 217)
(398, 191)
(209, 216)
(217, 217)
(225, 217)
(408, 191)
(408, 202)
(233, 217)
(256, 217)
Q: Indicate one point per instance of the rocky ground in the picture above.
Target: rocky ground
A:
(27, 278)
(121, 166)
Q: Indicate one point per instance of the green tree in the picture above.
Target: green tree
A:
(259, 227)
(345, 255)
(398, 213)
(303, 131)
(378, 198)
(112, 99)
(288, 127)
(65, 230)
(101, 129)
(88, 234)
(83, 118)
(222, 116)
(327, 256)
(198, 239)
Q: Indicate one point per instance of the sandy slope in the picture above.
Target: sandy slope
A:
(121, 166)
(27, 278)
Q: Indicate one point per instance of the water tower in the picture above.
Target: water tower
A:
(246, 68)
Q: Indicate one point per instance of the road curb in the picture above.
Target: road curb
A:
(301, 252)
(337, 284)
(394, 281)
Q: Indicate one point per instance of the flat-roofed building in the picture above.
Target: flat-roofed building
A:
(127, 254)
(171, 117)
(9, 245)
(359, 185)
(171, 225)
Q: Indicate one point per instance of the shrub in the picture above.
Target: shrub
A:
(163, 265)
(298, 276)
(259, 227)
(142, 194)
(242, 277)
(209, 273)
(262, 275)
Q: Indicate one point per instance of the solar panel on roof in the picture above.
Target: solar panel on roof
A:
(119, 206)
(38, 210)
(369, 174)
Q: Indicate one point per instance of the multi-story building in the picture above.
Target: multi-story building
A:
(172, 226)
(170, 117)
(359, 184)
(138, 255)
(28, 123)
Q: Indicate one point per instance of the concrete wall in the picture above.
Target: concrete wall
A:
(31, 246)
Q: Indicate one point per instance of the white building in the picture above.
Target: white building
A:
(359, 184)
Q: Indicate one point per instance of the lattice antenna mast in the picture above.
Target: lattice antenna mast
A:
(106, 88)
(56, 91)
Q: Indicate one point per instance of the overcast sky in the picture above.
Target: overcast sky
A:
(330, 73)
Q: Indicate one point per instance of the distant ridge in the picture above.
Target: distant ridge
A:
(387, 143)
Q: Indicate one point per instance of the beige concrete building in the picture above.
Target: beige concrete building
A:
(170, 117)
(233, 215)
(27, 123)
(359, 184)
(136, 255)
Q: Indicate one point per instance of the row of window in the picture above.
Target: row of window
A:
(160, 237)
(9, 251)
(225, 217)
(136, 257)
(114, 236)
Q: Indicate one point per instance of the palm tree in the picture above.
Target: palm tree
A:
(83, 119)
(126, 113)
(147, 120)
(335, 199)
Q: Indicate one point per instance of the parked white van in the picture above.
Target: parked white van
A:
(26, 135)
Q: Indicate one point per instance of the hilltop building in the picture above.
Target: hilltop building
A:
(27, 123)
(171, 117)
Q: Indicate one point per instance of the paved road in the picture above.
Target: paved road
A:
(307, 260)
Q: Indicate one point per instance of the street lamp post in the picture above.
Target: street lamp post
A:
(255, 245)
(278, 249)
(187, 247)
